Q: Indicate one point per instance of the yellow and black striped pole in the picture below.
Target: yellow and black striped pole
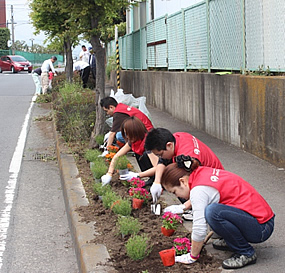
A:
(118, 64)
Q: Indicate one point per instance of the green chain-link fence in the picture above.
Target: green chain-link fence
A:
(235, 35)
(34, 58)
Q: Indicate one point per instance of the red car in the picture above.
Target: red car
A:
(15, 63)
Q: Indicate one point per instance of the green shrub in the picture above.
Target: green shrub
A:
(128, 225)
(99, 168)
(74, 112)
(123, 207)
(99, 139)
(111, 65)
(109, 198)
(138, 247)
(101, 190)
(92, 155)
(122, 162)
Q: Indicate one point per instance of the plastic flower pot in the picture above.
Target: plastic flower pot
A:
(124, 171)
(167, 232)
(168, 257)
(137, 203)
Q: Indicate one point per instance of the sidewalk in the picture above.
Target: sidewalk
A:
(266, 178)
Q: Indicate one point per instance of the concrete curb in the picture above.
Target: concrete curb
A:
(91, 257)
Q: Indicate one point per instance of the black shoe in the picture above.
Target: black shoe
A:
(239, 261)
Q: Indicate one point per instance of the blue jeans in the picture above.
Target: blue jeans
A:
(119, 137)
(237, 227)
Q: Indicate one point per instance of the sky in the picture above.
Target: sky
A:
(23, 29)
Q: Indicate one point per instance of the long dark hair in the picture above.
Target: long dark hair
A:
(184, 165)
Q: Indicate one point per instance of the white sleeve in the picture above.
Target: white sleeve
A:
(201, 197)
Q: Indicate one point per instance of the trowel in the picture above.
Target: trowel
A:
(155, 208)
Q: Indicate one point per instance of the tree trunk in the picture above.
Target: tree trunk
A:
(100, 86)
(69, 60)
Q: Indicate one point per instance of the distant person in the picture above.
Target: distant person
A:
(36, 75)
(50, 77)
(83, 69)
(47, 66)
(92, 63)
(84, 55)
(120, 112)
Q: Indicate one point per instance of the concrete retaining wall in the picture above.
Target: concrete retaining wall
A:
(248, 112)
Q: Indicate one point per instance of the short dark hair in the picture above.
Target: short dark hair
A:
(107, 102)
(54, 58)
(157, 139)
(133, 128)
(83, 46)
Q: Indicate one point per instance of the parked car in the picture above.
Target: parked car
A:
(15, 63)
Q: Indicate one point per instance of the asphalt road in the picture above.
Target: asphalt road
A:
(34, 232)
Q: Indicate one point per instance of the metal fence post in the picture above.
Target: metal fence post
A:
(243, 36)
(184, 39)
(208, 34)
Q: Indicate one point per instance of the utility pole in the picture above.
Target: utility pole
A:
(12, 22)
(32, 49)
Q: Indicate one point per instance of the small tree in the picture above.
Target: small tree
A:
(4, 38)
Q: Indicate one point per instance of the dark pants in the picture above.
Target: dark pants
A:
(84, 74)
(93, 71)
(145, 164)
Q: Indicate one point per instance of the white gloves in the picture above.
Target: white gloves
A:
(128, 176)
(175, 209)
(106, 179)
(155, 191)
(103, 154)
(186, 259)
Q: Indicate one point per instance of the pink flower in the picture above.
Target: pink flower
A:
(182, 245)
(171, 220)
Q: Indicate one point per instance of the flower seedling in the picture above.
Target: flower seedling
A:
(139, 193)
(182, 246)
(171, 220)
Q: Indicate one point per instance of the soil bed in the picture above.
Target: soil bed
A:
(107, 232)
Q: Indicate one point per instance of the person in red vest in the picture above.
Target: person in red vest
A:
(134, 132)
(224, 201)
(120, 112)
(167, 146)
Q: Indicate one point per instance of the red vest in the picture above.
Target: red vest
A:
(189, 145)
(234, 191)
(132, 111)
(138, 147)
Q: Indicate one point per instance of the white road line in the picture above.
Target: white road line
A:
(14, 169)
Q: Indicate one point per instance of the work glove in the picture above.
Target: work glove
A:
(106, 179)
(128, 176)
(155, 191)
(103, 154)
(186, 259)
(175, 209)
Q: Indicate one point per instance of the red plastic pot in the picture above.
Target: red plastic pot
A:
(168, 257)
(137, 203)
(167, 232)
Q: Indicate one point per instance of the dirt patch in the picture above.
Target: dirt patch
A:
(107, 233)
